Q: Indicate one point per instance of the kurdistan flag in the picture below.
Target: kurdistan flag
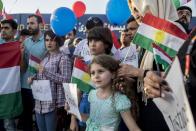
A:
(33, 64)
(80, 75)
(165, 34)
(179, 3)
(115, 47)
(10, 95)
(161, 57)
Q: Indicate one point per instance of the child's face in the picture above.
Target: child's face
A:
(96, 47)
(51, 45)
(100, 76)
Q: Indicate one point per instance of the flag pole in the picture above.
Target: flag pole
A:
(127, 53)
(157, 65)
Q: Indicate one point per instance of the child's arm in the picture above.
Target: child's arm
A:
(129, 121)
(74, 124)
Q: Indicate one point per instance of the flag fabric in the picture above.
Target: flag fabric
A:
(33, 64)
(10, 94)
(39, 14)
(165, 34)
(6, 15)
(179, 3)
(80, 76)
(161, 57)
(115, 47)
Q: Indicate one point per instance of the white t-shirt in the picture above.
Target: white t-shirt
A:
(132, 55)
(82, 50)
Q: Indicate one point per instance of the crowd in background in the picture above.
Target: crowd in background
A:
(115, 103)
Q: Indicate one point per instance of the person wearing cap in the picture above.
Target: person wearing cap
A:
(185, 15)
(82, 49)
(55, 67)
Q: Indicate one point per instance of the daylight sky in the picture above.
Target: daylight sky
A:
(47, 6)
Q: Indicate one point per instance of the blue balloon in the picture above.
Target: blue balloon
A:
(117, 11)
(62, 21)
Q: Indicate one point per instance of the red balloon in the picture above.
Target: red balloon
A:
(79, 8)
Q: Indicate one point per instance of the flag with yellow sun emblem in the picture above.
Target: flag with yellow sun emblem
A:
(166, 35)
(80, 75)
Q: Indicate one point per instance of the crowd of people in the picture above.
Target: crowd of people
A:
(117, 101)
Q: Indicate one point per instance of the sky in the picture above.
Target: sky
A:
(48, 6)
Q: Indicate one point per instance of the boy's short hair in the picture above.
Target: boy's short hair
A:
(103, 34)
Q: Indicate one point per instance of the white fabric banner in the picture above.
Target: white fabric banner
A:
(41, 90)
(71, 96)
(175, 106)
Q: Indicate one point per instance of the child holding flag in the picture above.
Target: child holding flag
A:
(99, 42)
(107, 104)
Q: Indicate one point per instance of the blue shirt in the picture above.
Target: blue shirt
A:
(35, 48)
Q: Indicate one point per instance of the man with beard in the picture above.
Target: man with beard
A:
(34, 48)
(185, 15)
(127, 49)
(8, 31)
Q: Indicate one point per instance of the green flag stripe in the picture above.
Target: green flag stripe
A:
(176, 3)
(81, 85)
(32, 70)
(11, 105)
(146, 43)
(161, 61)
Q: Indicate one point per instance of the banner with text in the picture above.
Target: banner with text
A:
(71, 96)
(175, 106)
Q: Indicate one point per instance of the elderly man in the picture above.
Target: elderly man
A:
(185, 15)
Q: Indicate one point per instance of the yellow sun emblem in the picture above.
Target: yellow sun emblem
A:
(86, 77)
(159, 36)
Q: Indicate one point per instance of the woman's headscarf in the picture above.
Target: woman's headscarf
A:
(161, 8)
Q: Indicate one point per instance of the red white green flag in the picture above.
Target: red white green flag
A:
(161, 57)
(80, 75)
(165, 34)
(10, 94)
(33, 64)
(115, 47)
